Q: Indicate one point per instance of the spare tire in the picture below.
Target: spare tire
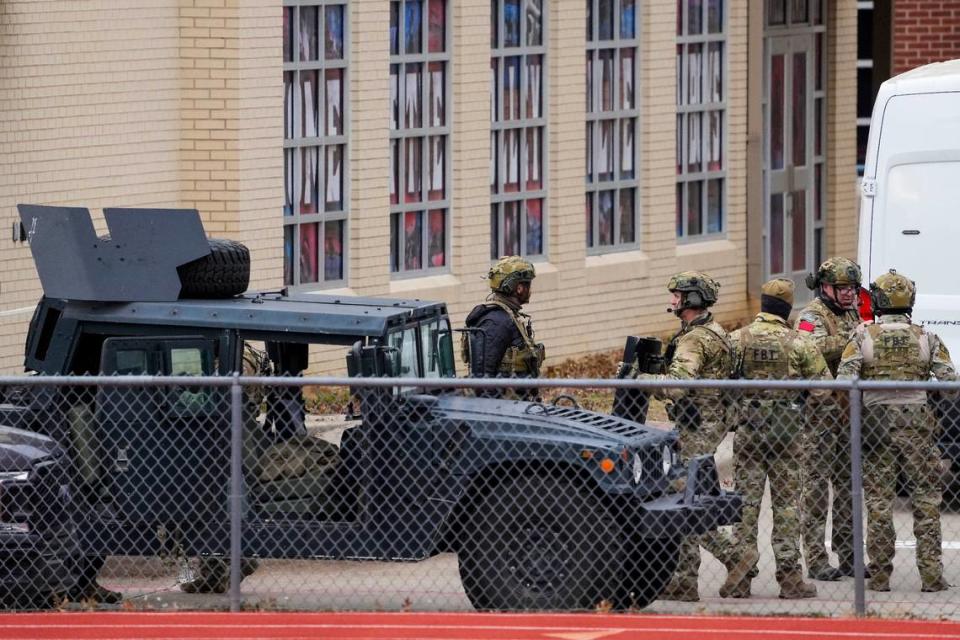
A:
(224, 273)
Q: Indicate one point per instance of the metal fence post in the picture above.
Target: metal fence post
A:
(236, 488)
(856, 478)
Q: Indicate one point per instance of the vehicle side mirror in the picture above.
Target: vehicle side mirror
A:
(362, 361)
(388, 361)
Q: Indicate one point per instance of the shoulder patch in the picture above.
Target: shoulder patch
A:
(805, 325)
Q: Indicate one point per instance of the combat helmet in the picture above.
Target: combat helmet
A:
(697, 289)
(892, 292)
(508, 272)
(835, 271)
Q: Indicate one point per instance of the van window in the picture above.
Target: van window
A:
(922, 224)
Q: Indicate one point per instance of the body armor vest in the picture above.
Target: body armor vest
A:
(895, 351)
(765, 355)
(525, 360)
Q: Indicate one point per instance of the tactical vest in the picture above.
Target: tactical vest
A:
(773, 414)
(525, 360)
(719, 368)
(895, 351)
(765, 355)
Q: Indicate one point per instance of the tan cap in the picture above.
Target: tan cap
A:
(779, 288)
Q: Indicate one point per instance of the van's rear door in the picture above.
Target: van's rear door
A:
(915, 221)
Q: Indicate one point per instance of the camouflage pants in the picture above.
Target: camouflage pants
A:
(696, 442)
(758, 458)
(826, 464)
(902, 437)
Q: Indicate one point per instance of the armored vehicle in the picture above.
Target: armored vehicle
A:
(547, 506)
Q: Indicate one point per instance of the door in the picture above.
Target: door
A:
(165, 449)
(789, 127)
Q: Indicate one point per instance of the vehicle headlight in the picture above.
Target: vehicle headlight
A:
(637, 468)
(666, 458)
(14, 476)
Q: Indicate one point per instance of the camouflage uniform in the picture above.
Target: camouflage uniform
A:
(768, 444)
(700, 350)
(827, 442)
(899, 430)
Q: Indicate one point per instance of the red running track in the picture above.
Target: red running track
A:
(454, 626)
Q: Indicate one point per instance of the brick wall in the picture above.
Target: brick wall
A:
(89, 115)
(924, 31)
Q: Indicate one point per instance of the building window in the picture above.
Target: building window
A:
(701, 117)
(873, 65)
(611, 150)
(419, 135)
(517, 127)
(314, 142)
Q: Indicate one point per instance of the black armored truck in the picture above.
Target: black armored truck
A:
(548, 506)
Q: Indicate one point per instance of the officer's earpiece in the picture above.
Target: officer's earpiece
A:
(812, 281)
(694, 299)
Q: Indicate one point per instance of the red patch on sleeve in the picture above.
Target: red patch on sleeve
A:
(806, 325)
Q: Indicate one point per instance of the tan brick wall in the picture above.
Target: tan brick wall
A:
(181, 104)
(842, 196)
(89, 115)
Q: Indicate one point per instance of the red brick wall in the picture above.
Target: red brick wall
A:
(924, 31)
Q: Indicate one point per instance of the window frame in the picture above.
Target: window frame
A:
(425, 133)
(618, 116)
(815, 24)
(500, 198)
(293, 145)
(683, 109)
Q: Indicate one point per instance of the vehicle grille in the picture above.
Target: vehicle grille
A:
(608, 423)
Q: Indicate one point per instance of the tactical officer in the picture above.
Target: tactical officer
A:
(499, 340)
(768, 444)
(829, 320)
(899, 429)
(699, 350)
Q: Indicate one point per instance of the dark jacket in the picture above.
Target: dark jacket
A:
(493, 331)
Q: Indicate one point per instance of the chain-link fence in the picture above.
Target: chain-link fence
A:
(448, 494)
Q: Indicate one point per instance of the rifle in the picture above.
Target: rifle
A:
(646, 352)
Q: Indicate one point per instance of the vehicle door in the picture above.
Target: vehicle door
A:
(165, 448)
(408, 442)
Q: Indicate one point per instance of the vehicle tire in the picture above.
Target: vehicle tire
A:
(224, 273)
(541, 543)
(652, 563)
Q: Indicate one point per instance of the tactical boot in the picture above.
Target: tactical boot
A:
(846, 570)
(682, 590)
(738, 572)
(214, 575)
(736, 590)
(879, 582)
(940, 584)
(825, 573)
(792, 587)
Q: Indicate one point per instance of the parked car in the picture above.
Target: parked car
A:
(547, 507)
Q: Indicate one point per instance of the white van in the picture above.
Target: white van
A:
(910, 205)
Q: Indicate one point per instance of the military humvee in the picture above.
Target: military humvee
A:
(547, 506)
